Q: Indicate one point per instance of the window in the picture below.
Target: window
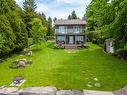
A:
(61, 29)
(61, 38)
(79, 38)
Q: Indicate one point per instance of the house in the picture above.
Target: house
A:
(70, 33)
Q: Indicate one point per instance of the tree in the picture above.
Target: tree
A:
(69, 17)
(13, 33)
(7, 37)
(50, 29)
(43, 16)
(38, 31)
(29, 7)
(73, 15)
(109, 19)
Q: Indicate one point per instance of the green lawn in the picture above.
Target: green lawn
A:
(68, 69)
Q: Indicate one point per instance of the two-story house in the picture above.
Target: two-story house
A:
(70, 33)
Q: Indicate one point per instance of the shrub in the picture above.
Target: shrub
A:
(94, 41)
(59, 47)
(50, 38)
(13, 66)
(122, 53)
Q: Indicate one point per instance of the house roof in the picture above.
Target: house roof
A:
(70, 22)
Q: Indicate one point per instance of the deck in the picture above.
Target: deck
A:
(72, 46)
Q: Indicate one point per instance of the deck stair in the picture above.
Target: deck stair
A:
(71, 46)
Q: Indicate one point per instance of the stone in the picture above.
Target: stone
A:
(122, 91)
(76, 92)
(9, 91)
(39, 91)
(29, 53)
(92, 92)
(21, 64)
(64, 92)
(69, 92)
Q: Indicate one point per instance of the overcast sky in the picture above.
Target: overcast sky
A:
(60, 8)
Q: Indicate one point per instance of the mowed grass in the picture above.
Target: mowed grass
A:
(68, 69)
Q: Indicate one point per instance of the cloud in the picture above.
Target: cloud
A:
(60, 8)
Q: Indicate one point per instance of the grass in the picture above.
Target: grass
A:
(68, 69)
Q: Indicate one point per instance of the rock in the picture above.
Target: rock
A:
(64, 92)
(21, 64)
(69, 92)
(29, 53)
(9, 91)
(122, 91)
(76, 92)
(92, 92)
(39, 91)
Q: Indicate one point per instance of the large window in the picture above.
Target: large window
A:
(61, 38)
(79, 38)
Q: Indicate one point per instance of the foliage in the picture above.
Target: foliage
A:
(122, 53)
(110, 19)
(38, 31)
(12, 29)
(73, 15)
(7, 37)
(13, 66)
(50, 31)
(29, 14)
(58, 47)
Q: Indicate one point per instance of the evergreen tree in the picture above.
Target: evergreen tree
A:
(43, 15)
(69, 17)
(29, 7)
(7, 37)
(73, 15)
(50, 29)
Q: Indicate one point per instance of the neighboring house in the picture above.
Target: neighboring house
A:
(70, 33)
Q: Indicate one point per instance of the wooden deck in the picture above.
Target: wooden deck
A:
(71, 46)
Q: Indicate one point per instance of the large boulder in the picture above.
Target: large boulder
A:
(39, 91)
(9, 91)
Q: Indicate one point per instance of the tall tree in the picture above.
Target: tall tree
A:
(69, 17)
(43, 15)
(29, 7)
(38, 31)
(50, 29)
(73, 15)
(12, 27)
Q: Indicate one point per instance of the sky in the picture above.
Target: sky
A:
(60, 8)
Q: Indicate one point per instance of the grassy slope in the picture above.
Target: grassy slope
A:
(69, 70)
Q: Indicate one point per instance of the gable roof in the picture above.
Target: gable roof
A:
(70, 22)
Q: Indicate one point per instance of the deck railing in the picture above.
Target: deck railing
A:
(66, 31)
